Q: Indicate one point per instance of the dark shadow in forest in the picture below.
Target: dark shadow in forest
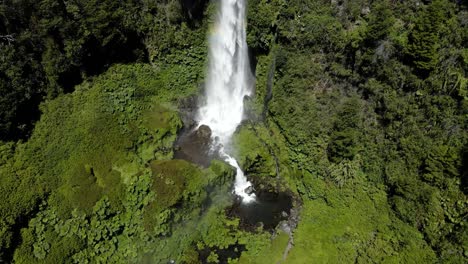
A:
(224, 254)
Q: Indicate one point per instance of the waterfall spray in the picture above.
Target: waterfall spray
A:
(228, 82)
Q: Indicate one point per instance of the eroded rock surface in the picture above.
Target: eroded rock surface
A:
(194, 145)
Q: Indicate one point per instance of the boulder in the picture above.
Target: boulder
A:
(249, 190)
(204, 132)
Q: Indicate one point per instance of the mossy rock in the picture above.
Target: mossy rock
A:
(82, 190)
(253, 154)
(177, 179)
(223, 172)
(162, 119)
(161, 126)
(179, 184)
(171, 179)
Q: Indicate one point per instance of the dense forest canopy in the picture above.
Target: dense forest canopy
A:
(360, 115)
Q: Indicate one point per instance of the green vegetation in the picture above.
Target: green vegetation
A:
(48, 47)
(374, 120)
(360, 112)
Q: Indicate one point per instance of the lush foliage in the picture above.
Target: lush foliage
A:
(360, 113)
(370, 100)
(48, 47)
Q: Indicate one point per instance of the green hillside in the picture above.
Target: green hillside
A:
(360, 117)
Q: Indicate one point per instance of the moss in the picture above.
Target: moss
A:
(184, 177)
(262, 152)
(256, 108)
(81, 191)
(161, 126)
(171, 179)
(353, 225)
(223, 171)
(253, 154)
(162, 120)
(183, 185)
(272, 253)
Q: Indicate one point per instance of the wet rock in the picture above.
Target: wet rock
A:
(203, 133)
(284, 226)
(195, 146)
(249, 190)
(188, 109)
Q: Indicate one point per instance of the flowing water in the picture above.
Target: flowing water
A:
(228, 82)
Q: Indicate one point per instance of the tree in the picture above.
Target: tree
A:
(424, 37)
(344, 138)
(381, 20)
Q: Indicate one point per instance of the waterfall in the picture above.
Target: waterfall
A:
(228, 82)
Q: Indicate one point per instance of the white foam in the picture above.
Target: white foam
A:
(228, 82)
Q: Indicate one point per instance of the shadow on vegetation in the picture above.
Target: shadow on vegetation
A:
(223, 254)
(21, 222)
(193, 10)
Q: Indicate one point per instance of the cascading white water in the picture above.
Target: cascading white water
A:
(228, 82)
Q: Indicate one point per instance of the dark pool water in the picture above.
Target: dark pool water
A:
(268, 210)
